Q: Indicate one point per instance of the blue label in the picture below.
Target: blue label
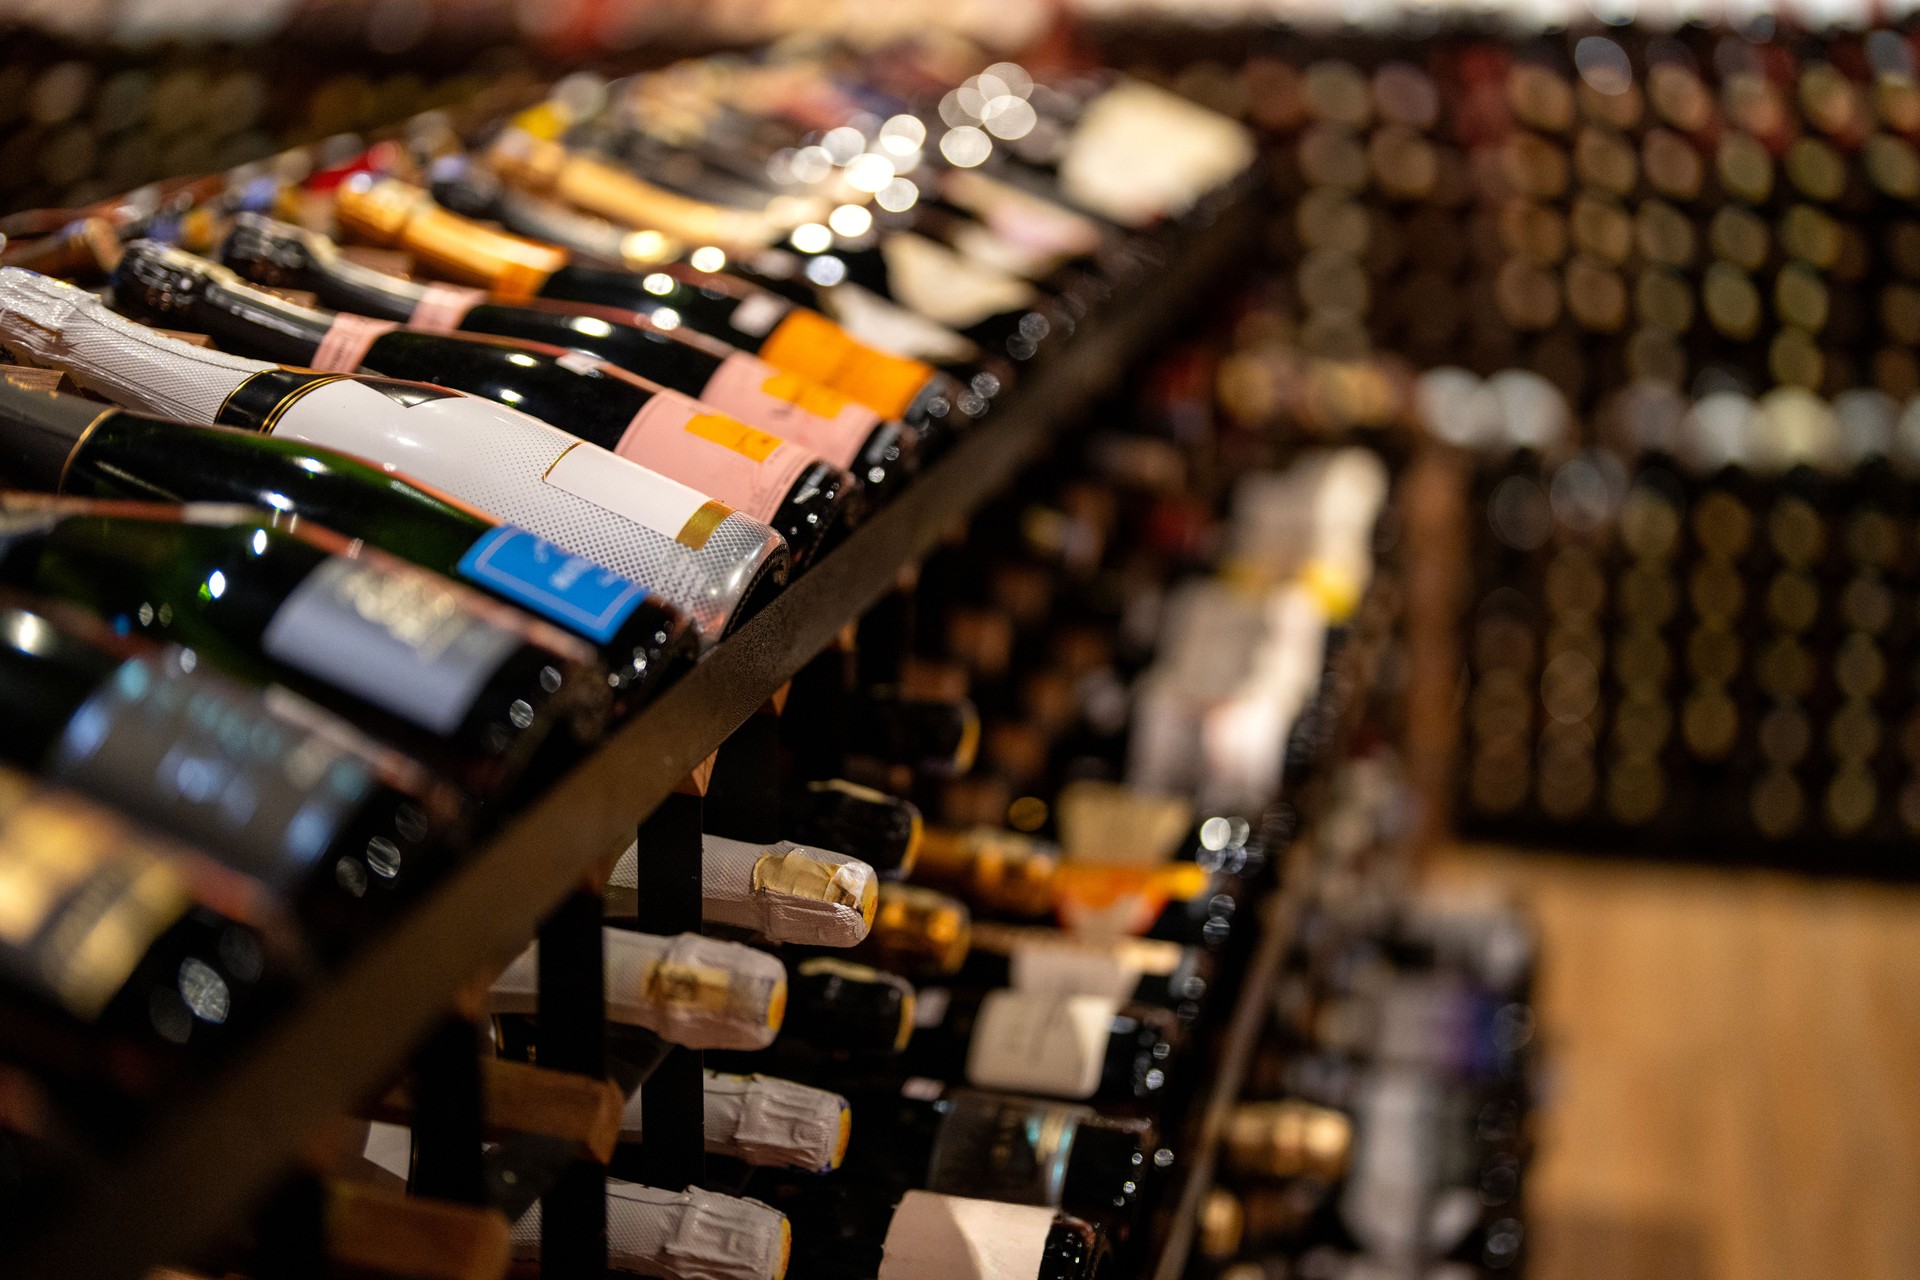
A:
(529, 570)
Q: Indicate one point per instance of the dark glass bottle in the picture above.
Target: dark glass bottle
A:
(1086, 1048)
(402, 651)
(285, 793)
(840, 1232)
(996, 1146)
(881, 454)
(800, 495)
(129, 958)
(715, 564)
(742, 316)
(78, 448)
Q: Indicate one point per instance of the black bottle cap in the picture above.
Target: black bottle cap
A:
(1106, 1168)
(881, 830)
(460, 186)
(836, 1005)
(38, 432)
(265, 251)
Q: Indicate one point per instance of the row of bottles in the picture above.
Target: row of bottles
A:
(1385, 1127)
(346, 513)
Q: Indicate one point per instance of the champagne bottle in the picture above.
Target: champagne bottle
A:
(842, 1011)
(681, 1235)
(406, 652)
(918, 931)
(883, 831)
(76, 447)
(765, 1122)
(881, 454)
(693, 991)
(705, 558)
(786, 891)
(841, 1234)
(803, 497)
(121, 935)
(675, 1235)
(757, 322)
(996, 1146)
(1083, 1048)
(276, 788)
(1046, 961)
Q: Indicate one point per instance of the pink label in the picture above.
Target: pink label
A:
(443, 306)
(684, 439)
(804, 412)
(347, 341)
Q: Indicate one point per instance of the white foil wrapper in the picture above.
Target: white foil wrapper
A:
(50, 322)
(789, 892)
(765, 1121)
(699, 992)
(681, 1235)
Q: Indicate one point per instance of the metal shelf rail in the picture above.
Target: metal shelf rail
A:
(203, 1165)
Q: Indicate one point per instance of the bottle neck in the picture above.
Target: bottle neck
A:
(347, 285)
(254, 323)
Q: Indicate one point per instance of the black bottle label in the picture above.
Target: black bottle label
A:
(402, 641)
(207, 759)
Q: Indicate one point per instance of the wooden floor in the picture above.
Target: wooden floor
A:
(1735, 1072)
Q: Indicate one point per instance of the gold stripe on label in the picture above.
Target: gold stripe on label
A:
(244, 382)
(79, 442)
(556, 461)
(701, 524)
(278, 411)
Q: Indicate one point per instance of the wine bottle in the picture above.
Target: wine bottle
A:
(276, 788)
(840, 1010)
(841, 1234)
(1007, 873)
(918, 931)
(699, 992)
(786, 891)
(1286, 1138)
(417, 658)
(902, 725)
(989, 306)
(872, 315)
(1083, 1048)
(996, 1146)
(1049, 962)
(800, 495)
(765, 1122)
(600, 186)
(681, 1235)
(76, 447)
(757, 322)
(676, 1235)
(705, 558)
(142, 941)
(883, 831)
(881, 454)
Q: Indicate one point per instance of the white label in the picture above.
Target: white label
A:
(627, 488)
(936, 1237)
(1065, 970)
(942, 285)
(879, 323)
(758, 313)
(400, 640)
(1140, 153)
(1027, 1043)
